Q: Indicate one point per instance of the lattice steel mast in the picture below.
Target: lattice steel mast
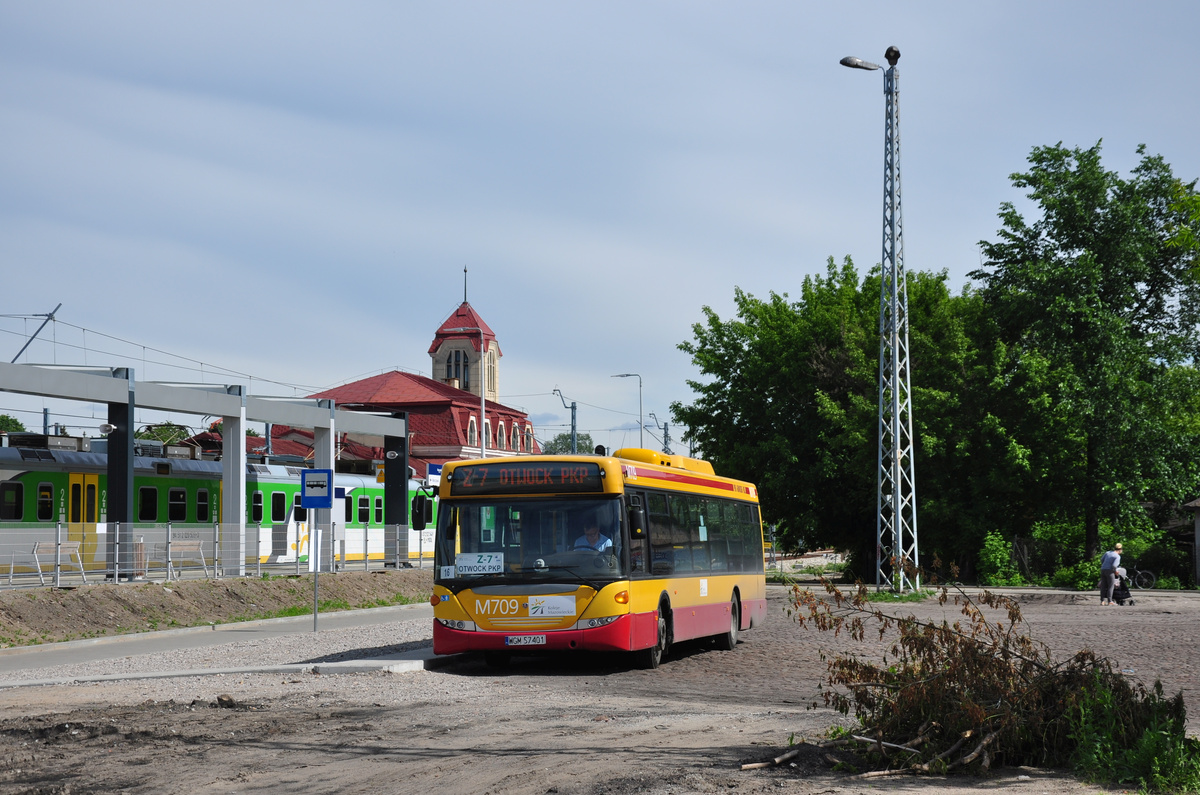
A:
(896, 554)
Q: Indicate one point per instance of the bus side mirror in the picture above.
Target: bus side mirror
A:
(420, 505)
(637, 522)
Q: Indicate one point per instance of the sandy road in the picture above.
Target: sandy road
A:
(565, 725)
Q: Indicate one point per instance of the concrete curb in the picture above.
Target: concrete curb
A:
(260, 622)
(406, 662)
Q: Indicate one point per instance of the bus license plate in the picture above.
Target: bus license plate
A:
(525, 640)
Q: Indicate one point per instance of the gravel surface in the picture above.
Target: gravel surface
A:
(566, 724)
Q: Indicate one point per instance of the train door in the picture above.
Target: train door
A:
(83, 500)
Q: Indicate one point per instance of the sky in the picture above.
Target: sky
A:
(286, 194)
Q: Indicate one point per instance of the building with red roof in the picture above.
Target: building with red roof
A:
(443, 411)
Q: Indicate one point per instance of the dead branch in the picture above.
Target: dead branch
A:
(779, 760)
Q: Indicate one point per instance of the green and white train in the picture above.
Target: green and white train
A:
(50, 490)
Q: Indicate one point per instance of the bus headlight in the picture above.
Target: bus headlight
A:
(453, 624)
(593, 623)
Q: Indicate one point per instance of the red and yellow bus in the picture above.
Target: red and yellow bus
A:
(674, 552)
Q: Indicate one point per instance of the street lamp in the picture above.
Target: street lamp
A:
(641, 442)
(482, 384)
(895, 497)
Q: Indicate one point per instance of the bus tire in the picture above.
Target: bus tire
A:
(651, 657)
(497, 659)
(729, 639)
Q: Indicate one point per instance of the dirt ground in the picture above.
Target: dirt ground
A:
(46, 615)
(545, 725)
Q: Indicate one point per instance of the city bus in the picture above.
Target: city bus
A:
(630, 552)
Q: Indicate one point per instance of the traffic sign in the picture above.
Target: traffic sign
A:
(316, 488)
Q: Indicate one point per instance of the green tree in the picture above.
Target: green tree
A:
(1098, 298)
(562, 444)
(790, 402)
(10, 424)
(215, 427)
(165, 432)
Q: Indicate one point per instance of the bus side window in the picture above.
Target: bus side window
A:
(635, 514)
(658, 525)
(714, 522)
(739, 531)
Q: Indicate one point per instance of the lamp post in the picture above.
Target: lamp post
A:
(641, 442)
(895, 498)
(482, 384)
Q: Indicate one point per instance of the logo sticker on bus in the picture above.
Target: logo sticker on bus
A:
(552, 605)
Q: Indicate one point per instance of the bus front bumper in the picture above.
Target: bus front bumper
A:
(620, 635)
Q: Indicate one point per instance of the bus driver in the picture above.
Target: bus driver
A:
(592, 538)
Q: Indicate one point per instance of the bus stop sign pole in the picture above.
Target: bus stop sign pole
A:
(316, 492)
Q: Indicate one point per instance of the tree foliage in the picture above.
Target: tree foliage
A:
(10, 424)
(1101, 292)
(165, 432)
(1062, 390)
(562, 444)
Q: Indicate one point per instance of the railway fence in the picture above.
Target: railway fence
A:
(54, 555)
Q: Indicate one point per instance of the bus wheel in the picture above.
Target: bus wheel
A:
(652, 656)
(729, 640)
(497, 659)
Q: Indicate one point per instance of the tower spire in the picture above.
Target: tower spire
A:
(464, 284)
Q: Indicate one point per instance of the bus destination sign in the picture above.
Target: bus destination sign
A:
(514, 477)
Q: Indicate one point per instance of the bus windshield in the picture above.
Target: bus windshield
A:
(576, 540)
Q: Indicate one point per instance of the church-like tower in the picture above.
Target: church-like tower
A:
(458, 358)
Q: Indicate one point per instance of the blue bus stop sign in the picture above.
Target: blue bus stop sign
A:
(316, 488)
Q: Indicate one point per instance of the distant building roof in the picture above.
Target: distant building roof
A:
(463, 317)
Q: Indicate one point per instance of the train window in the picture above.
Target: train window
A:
(379, 510)
(89, 505)
(202, 514)
(12, 502)
(148, 504)
(76, 503)
(45, 502)
(176, 505)
(364, 510)
(349, 502)
(278, 507)
(300, 513)
(256, 508)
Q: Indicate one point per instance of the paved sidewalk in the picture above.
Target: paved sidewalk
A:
(132, 645)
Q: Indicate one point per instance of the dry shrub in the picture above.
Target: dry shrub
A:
(981, 692)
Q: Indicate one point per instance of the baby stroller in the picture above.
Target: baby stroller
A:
(1120, 592)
